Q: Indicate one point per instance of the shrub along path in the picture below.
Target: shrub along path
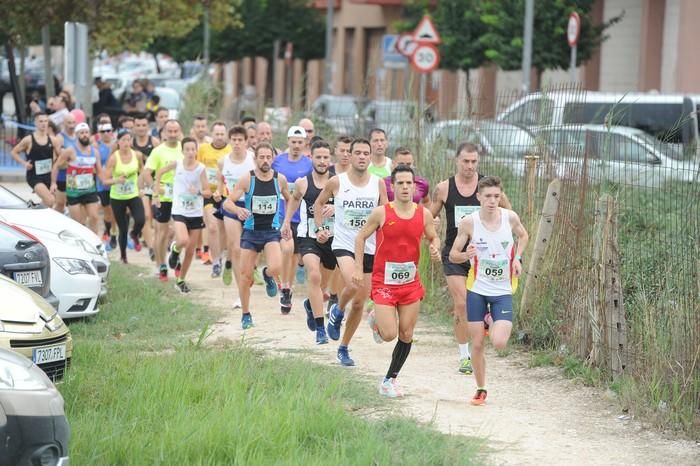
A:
(533, 415)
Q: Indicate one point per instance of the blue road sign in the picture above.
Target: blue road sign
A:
(390, 54)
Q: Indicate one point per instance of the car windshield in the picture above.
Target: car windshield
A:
(9, 200)
(504, 136)
(168, 99)
(665, 148)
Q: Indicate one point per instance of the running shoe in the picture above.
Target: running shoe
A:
(174, 256)
(335, 318)
(135, 240)
(257, 277)
(270, 284)
(321, 337)
(465, 366)
(105, 237)
(310, 321)
(108, 247)
(152, 254)
(178, 270)
(182, 287)
(216, 270)
(344, 356)
(113, 241)
(246, 321)
(300, 274)
(129, 243)
(206, 258)
(332, 299)
(163, 274)
(372, 321)
(285, 301)
(227, 276)
(237, 304)
(124, 260)
(389, 388)
(479, 398)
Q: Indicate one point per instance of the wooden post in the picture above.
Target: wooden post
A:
(531, 168)
(616, 324)
(601, 230)
(544, 233)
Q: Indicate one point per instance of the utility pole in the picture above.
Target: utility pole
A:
(330, 4)
(206, 33)
(527, 43)
(48, 72)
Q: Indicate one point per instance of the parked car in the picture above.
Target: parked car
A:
(37, 219)
(617, 154)
(25, 260)
(341, 113)
(398, 118)
(170, 99)
(33, 425)
(31, 327)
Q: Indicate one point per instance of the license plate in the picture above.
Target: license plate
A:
(49, 354)
(31, 278)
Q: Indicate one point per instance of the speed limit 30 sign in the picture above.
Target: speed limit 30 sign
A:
(425, 58)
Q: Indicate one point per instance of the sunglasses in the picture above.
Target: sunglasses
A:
(105, 131)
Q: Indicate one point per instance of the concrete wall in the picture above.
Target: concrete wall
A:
(619, 61)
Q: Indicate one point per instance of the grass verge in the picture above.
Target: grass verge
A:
(143, 391)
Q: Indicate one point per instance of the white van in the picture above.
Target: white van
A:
(671, 118)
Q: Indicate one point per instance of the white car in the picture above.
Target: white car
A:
(37, 220)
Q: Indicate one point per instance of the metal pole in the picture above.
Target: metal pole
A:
(16, 96)
(330, 4)
(527, 43)
(206, 34)
(48, 72)
(421, 115)
(572, 65)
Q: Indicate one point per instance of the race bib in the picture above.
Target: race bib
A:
(462, 211)
(231, 183)
(187, 201)
(84, 181)
(148, 190)
(326, 225)
(399, 273)
(168, 191)
(128, 187)
(494, 270)
(42, 167)
(265, 205)
(211, 175)
(356, 218)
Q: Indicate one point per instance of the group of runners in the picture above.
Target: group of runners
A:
(343, 215)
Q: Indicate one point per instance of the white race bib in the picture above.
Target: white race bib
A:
(265, 205)
(326, 225)
(211, 175)
(355, 218)
(42, 167)
(231, 182)
(84, 181)
(148, 190)
(187, 201)
(462, 211)
(128, 187)
(168, 191)
(493, 270)
(399, 273)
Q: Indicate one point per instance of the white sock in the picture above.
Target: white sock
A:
(464, 351)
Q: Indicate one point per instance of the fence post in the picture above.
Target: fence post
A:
(601, 231)
(544, 233)
(614, 310)
(531, 168)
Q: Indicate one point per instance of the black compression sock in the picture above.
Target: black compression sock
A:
(319, 321)
(206, 248)
(398, 357)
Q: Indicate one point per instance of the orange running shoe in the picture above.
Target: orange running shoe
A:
(206, 258)
(198, 253)
(479, 398)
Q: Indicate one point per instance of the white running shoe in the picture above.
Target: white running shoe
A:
(237, 303)
(372, 321)
(390, 389)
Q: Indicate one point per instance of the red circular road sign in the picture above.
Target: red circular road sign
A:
(573, 29)
(426, 58)
(406, 45)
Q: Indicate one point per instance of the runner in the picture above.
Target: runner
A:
(82, 165)
(231, 169)
(251, 137)
(308, 126)
(313, 253)
(200, 130)
(169, 151)
(396, 285)
(40, 150)
(265, 134)
(421, 194)
(162, 115)
(292, 165)
(122, 175)
(263, 187)
(190, 186)
(209, 154)
(145, 143)
(380, 164)
(342, 154)
(105, 145)
(355, 194)
(449, 194)
(496, 264)
(66, 139)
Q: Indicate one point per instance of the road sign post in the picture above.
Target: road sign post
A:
(573, 31)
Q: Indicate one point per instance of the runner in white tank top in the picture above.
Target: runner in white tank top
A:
(355, 193)
(495, 266)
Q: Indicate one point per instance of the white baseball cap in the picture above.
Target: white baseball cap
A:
(82, 126)
(296, 132)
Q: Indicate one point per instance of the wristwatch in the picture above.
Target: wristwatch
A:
(318, 229)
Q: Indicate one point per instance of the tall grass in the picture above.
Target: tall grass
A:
(141, 391)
